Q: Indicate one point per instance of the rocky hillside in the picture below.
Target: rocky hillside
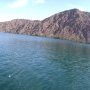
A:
(71, 25)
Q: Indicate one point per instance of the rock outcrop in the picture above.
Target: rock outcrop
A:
(70, 25)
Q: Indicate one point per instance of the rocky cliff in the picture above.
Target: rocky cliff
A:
(71, 25)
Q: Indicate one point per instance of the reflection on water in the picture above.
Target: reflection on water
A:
(38, 63)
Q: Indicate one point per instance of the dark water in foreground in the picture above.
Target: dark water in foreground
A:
(36, 63)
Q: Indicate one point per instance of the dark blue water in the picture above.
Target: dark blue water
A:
(36, 63)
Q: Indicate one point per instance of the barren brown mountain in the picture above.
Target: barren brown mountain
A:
(70, 25)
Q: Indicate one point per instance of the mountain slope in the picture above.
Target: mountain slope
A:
(71, 25)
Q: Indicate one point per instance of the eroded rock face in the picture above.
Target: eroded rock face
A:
(71, 25)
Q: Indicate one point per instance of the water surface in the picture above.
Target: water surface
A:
(38, 63)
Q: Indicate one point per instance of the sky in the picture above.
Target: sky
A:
(38, 9)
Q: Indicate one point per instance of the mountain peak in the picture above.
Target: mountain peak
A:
(75, 9)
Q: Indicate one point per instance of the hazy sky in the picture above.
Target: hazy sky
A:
(37, 9)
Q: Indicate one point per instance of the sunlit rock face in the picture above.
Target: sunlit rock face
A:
(70, 25)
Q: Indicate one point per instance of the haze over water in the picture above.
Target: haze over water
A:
(38, 63)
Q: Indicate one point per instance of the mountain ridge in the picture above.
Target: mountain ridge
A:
(71, 25)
